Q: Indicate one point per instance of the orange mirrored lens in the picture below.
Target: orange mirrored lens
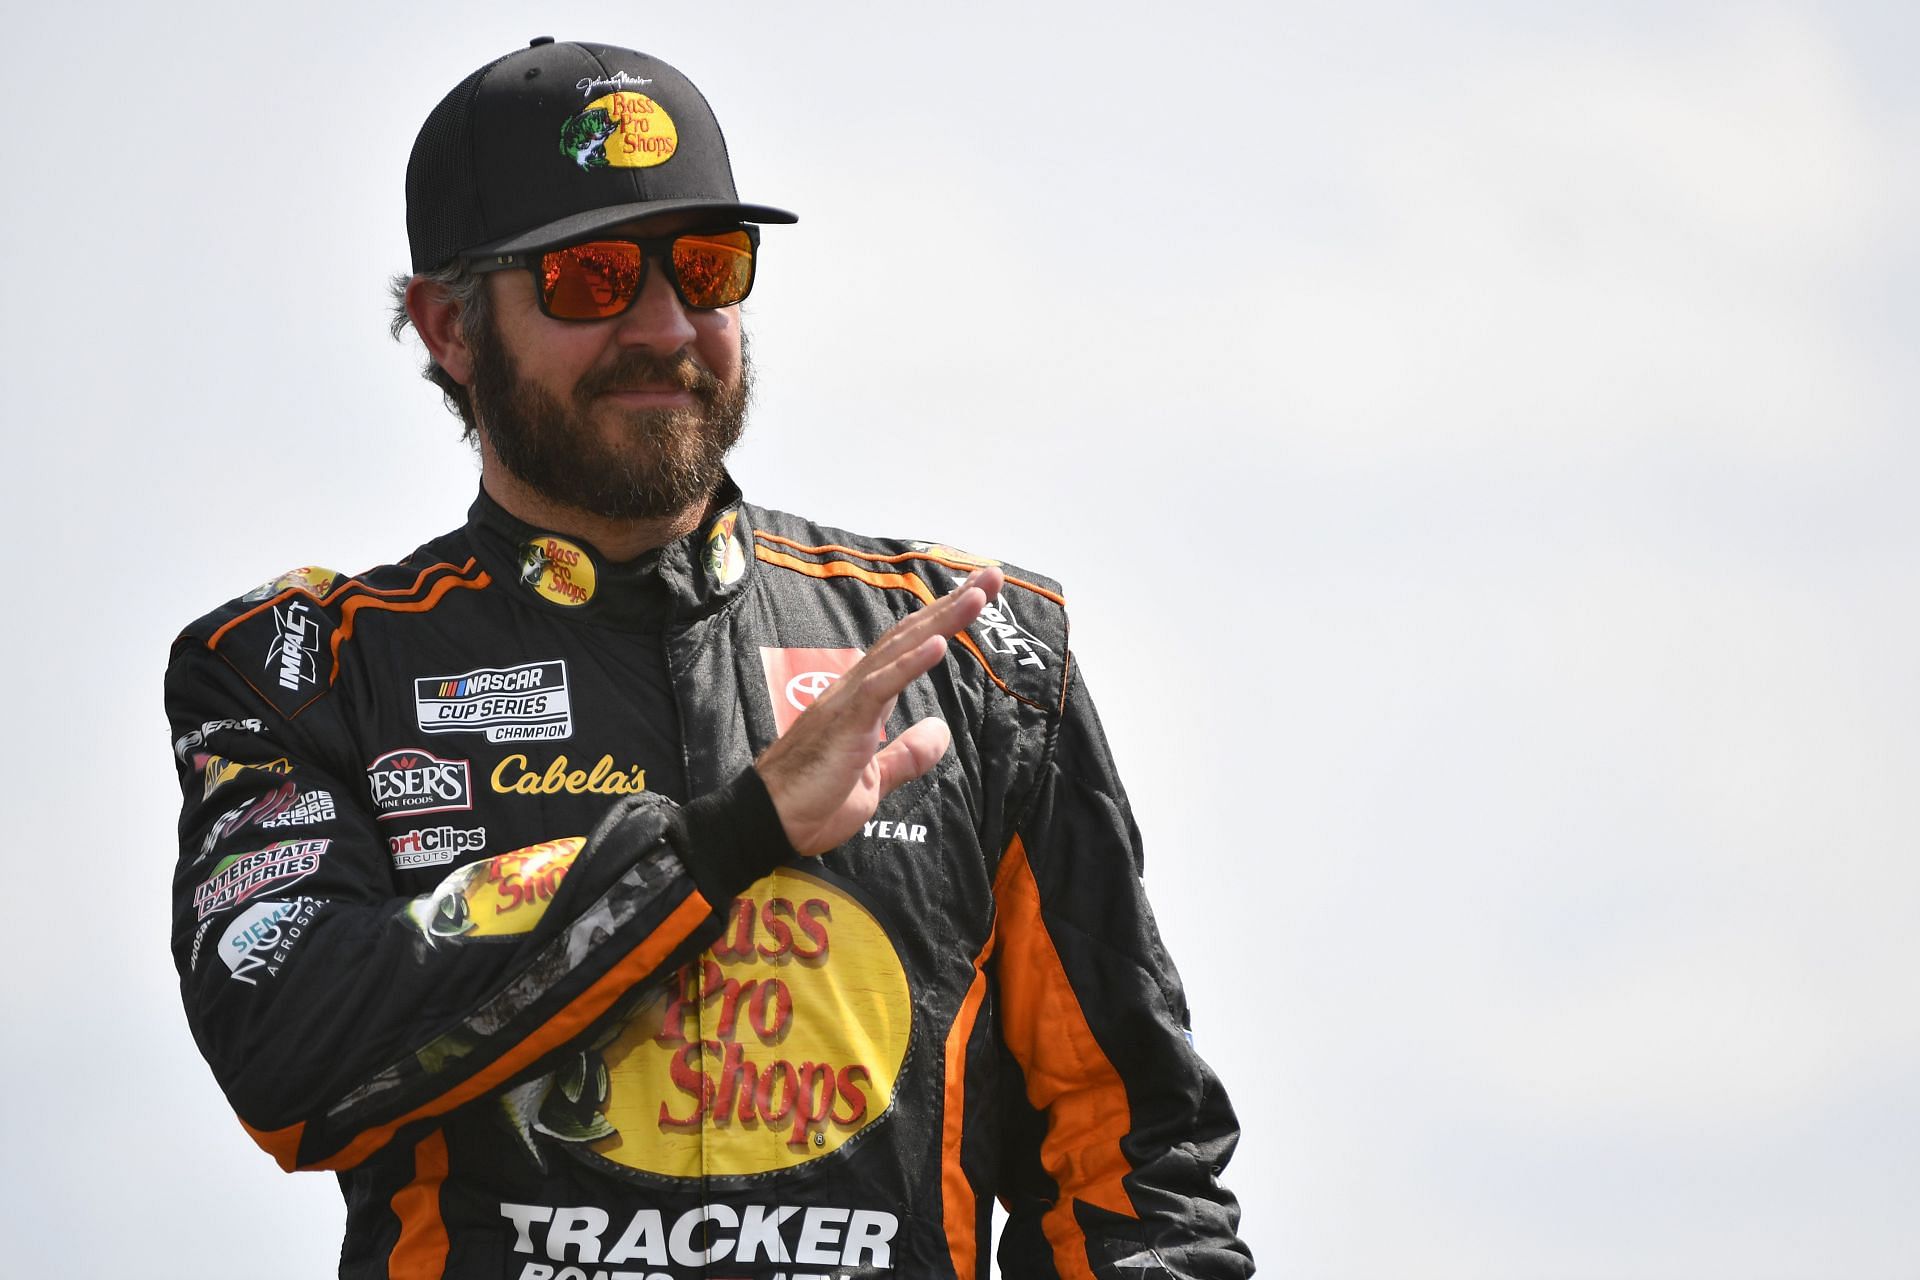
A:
(713, 270)
(590, 281)
(598, 279)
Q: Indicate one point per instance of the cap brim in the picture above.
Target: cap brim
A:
(574, 226)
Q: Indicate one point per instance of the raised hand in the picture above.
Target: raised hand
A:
(828, 773)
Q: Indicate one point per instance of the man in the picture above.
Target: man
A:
(640, 883)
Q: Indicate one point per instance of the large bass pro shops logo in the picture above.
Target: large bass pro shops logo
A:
(780, 1045)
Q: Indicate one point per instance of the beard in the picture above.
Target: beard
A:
(664, 461)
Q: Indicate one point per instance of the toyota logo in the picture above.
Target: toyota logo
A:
(804, 689)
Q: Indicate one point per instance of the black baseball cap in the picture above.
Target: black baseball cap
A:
(557, 141)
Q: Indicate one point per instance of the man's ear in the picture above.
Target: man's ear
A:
(436, 318)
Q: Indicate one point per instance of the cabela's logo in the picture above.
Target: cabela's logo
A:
(513, 776)
(780, 1045)
(623, 130)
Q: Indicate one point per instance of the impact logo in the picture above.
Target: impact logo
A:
(1002, 633)
(622, 130)
(779, 1046)
(260, 938)
(407, 783)
(239, 877)
(557, 570)
(508, 704)
(294, 658)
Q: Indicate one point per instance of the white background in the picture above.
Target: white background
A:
(1477, 438)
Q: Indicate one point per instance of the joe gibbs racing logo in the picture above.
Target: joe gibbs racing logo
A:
(778, 1046)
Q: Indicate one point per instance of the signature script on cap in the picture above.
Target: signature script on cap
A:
(588, 84)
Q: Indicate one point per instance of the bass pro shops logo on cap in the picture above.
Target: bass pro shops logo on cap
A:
(619, 131)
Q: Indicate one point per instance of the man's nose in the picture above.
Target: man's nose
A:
(656, 319)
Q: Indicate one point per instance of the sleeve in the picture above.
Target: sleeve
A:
(1113, 1155)
(335, 1014)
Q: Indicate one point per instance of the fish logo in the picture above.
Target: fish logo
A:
(726, 558)
(620, 131)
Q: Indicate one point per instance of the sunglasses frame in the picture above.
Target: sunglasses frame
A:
(651, 248)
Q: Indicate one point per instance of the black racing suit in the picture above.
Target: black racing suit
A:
(481, 904)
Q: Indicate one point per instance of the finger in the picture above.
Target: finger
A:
(911, 754)
(948, 615)
(872, 691)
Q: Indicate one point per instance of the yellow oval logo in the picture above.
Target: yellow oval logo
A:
(779, 1045)
(557, 570)
(726, 560)
(620, 131)
(497, 897)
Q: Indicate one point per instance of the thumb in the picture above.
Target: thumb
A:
(912, 753)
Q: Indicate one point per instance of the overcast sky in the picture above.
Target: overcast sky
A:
(1478, 441)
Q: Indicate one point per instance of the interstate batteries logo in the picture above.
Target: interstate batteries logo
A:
(527, 703)
(237, 878)
(779, 1046)
(404, 784)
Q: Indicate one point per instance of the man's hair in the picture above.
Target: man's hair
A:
(467, 290)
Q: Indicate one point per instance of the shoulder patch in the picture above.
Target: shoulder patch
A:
(1020, 640)
(309, 578)
(284, 637)
(284, 650)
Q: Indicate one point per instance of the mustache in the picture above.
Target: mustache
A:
(635, 368)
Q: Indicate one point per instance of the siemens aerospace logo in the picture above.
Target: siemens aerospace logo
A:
(527, 703)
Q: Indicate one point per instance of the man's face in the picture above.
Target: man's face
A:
(628, 418)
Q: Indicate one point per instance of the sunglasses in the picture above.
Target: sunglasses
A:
(598, 279)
